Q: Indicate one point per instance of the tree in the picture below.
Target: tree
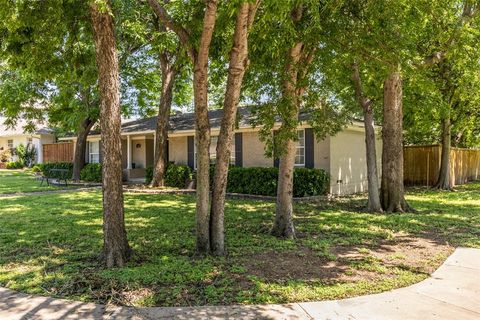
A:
(116, 249)
(198, 52)
(236, 70)
(374, 204)
(60, 82)
(170, 61)
(291, 34)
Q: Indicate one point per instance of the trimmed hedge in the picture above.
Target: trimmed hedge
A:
(14, 165)
(263, 181)
(45, 168)
(91, 172)
(258, 181)
(176, 175)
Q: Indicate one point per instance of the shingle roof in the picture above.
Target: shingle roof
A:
(186, 121)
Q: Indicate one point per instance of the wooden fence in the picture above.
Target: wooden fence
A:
(58, 152)
(422, 165)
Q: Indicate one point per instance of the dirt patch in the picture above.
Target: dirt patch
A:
(350, 263)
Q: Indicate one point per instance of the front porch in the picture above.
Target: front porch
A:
(138, 152)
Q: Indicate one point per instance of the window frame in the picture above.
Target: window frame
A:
(214, 159)
(10, 143)
(301, 147)
(96, 154)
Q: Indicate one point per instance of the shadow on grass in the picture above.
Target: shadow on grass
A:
(50, 245)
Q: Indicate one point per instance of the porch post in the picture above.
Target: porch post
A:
(129, 152)
(154, 143)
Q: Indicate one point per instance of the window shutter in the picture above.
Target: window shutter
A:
(190, 152)
(87, 152)
(238, 149)
(309, 148)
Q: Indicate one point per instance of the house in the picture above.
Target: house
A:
(10, 138)
(342, 155)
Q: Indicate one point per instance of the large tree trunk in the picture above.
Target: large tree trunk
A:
(236, 71)
(283, 224)
(373, 204)
(81, 147)
(116, 250)
(202, 129)
(444, 180)
(161, 131)
(393, 194)
(366, 104)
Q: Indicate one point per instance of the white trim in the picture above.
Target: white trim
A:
(129, 153)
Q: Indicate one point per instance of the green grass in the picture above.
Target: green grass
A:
(49, 245)
(16, 181)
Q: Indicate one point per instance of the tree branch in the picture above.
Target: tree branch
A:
(171, 24)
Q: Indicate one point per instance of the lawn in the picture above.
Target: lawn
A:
(49, 245)
(14, 181)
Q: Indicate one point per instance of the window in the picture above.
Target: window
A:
(213, 151)
(10, 144)
(94, 152)
(29, 141)
(300, 152)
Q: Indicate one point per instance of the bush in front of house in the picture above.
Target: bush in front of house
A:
(176, 175)
(258, 181)
(46, 167)
(310, 182)
(263, 181)
(26, 154)
(92, 172)
(14, 165)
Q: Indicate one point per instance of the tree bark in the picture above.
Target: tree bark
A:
(366, 104)
(393, 193)
(283, 224)
(202, 126)
(161, 131)
(81, 147)
(202, 129)
(444, 180)
(116, 250)
(237, 65)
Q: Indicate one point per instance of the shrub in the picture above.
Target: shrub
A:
(45, 168)
(14, 165)
(36, 168)
(310, 182)
(26, 154)
(149, 175)
(92, 172)
(175, 176)
(259, 181)
(263, 181)
(5, 155)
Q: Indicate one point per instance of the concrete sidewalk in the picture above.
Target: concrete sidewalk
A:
(453, 292)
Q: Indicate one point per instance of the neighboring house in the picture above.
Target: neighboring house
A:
(342, 155)
(10, 138)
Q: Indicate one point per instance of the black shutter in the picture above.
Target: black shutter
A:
(87, 152)
(276, 161)
(309, 148)
(238, 149)
(190, 151)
